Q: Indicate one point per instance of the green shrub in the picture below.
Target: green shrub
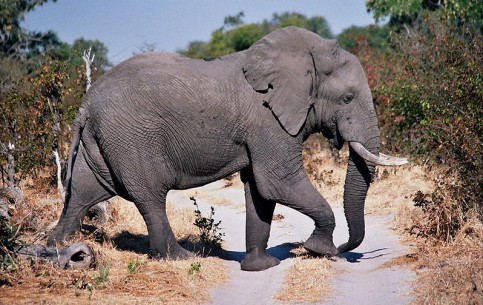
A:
(210, 234)
(428, 90)
(436, 104)
(9, 239)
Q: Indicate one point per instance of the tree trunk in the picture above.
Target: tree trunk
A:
(10, 166)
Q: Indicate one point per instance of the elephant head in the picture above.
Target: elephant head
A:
(312, 85)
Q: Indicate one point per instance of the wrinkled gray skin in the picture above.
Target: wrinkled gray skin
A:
(158, 122)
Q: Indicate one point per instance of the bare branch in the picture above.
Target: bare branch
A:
(60, 187)
(88, 61)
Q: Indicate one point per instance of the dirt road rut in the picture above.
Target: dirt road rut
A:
(364, 277)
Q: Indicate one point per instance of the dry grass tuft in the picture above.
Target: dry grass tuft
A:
(451, 273)
(300, 288)
(124, 273)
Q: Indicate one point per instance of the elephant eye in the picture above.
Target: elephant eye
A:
(348, 98)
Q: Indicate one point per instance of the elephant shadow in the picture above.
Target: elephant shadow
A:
(356, 257)
(281, 252)
(127, 241)
(139, 243)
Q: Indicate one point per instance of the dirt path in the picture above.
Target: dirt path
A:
(362, 279)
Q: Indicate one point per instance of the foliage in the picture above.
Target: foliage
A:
(195, 267)
(134, 264)
(441, 220)
(40, 89)
(436, 104)
(32, 116)
(9, 239)
(103, 275)
(236, 36)
(468, 12)
(73, 53)
(374, 36)
(85, 281)
(15, 41)
(210, 234)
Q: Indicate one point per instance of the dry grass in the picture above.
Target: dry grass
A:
(300, 288)
(447, 273)
(393, 191)
(122, 247)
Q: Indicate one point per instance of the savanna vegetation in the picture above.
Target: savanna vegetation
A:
(424, 63)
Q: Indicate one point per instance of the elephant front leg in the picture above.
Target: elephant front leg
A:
(303, 197)
(299, 194)
(259, 213)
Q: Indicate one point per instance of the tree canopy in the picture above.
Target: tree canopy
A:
(14, 40)
(468, 12)
(236, 36)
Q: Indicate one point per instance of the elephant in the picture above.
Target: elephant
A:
(162, 121)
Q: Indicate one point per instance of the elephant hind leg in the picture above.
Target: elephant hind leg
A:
(162, 242)
(84, 192)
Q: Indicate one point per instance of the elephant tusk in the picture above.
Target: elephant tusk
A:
(383, 159)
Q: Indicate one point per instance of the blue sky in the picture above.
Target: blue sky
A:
(124, 26)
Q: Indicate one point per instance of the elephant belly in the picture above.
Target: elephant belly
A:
(201, 164)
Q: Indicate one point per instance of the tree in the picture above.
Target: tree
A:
(428, 94)
(315, 24)
(236, 36)
(31, 119)
(374, 36)
(96, 46)
(40, 90)
(401, 13)
(15, 41)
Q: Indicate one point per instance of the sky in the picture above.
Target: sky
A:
(125, 26)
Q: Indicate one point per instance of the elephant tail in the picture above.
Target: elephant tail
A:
(78, 127)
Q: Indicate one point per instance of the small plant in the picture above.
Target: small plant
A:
(103, 274)
(210, 234)
(9, 239)
(442, 218)
(133, 265)
(195, 267)
(83, 282)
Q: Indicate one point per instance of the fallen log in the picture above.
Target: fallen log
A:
(75, 256)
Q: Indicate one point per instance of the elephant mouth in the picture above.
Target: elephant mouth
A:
(333, 135)
(382, 159)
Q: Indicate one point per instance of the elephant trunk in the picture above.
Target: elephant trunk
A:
(358, 179)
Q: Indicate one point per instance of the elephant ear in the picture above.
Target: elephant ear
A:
(283, 66)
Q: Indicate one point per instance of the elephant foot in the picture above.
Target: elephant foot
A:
(59, 236)
(320, 244)
(258, 260)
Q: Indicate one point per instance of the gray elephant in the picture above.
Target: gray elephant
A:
(158, 122)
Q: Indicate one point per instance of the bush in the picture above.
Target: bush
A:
(436, 105)
(33, 117)
(428, 88)
(9, 239)
(210, 234)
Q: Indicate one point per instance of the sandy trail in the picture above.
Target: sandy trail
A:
(362, 280)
